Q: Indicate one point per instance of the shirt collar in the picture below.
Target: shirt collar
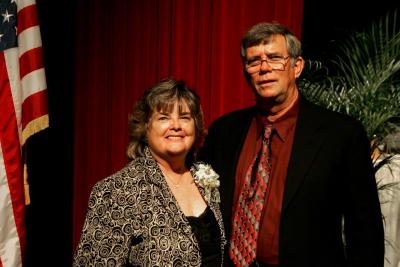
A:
(281, 126)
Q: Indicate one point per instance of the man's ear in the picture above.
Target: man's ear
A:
(298, 66)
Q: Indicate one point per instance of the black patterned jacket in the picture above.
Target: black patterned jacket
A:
(133, 218)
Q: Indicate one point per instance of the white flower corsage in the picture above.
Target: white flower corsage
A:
(208, 179)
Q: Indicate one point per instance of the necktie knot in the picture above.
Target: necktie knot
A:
(268, 127)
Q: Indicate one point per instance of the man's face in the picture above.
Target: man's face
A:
(269, 81)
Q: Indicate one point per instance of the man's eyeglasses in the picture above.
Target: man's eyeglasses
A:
(275, 62)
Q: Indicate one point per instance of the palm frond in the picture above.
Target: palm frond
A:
(367, 83)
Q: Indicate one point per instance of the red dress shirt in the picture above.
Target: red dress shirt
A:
(281, 147)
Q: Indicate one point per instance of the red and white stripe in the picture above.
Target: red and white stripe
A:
(23, 112)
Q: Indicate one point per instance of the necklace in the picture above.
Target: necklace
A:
(174, 184)
(171, 181)
(182, 177)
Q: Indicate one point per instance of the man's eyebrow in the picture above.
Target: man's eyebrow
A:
(274, 54)
(253, 57)
(267, 54)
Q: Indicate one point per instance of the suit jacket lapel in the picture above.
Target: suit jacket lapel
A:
(307, 142)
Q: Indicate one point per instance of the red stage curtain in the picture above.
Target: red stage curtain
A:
(125, 46)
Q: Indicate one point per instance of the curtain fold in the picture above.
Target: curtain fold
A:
(123, 47)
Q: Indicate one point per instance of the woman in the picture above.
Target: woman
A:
(162, 209)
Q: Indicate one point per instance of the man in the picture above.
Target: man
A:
(316, 174)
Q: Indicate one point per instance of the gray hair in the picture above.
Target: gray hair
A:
(262, 32)
(392, 142)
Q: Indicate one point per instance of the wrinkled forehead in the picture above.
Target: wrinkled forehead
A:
(270, 39)
(273, 44)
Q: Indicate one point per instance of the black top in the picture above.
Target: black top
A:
(206, 230)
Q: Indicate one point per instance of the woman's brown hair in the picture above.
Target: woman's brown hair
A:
(162, 97)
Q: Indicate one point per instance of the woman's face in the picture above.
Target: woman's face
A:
(171, 135)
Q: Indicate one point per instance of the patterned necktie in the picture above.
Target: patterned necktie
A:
(246, 219)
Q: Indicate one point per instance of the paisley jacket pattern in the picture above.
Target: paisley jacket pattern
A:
(133, 218)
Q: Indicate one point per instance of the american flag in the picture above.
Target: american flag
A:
(23, 112)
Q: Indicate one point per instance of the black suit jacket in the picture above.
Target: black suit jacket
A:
(330, 177)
